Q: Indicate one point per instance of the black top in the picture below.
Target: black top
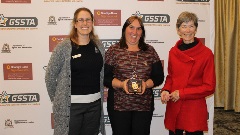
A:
(184, 46)
(85, 67)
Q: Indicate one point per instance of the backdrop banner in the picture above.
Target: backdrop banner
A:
(30, 29)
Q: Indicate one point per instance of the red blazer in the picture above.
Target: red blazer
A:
(191, 72)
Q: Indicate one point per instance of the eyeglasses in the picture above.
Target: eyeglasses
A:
(81, 20)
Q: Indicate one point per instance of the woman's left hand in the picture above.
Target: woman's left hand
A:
(175, 96)
(144, 86)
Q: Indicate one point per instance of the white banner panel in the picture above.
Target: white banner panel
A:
(30, 29)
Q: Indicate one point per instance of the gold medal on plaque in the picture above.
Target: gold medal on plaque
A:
(134, 85)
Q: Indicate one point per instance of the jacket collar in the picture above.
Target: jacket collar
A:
(188, 55)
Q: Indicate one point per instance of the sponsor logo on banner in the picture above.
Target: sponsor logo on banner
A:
(107, 17)
(21, 47)
(63, 1)
(17, 71)
(19, 99)
(108, 42)
(8, 124)
(23, 122)
(154, 19)
(54, 40)
(6, 48)
(15, 1)
(52, 20)
(64, 19)
(18, 23)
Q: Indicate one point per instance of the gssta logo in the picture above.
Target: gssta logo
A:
(108, 42)
(18, 21)
(153, 18)
(6, 98)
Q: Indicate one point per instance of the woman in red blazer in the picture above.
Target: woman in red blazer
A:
(191, 78)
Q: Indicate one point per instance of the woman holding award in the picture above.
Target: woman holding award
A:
(132, 69)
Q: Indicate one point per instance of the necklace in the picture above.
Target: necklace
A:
(134, 73)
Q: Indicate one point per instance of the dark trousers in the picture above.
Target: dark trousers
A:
(130, 122)
(180, 132)
(85, 118)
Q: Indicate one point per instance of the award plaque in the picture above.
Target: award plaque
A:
(134, 86)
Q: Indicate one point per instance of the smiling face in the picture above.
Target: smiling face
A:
(187, 31)
(84, 23)
(133, 33)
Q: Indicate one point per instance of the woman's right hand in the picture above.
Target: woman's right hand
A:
(165, 96)
(125, 86)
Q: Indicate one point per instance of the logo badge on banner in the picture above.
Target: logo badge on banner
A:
(108, 42)
(19, 99)
(17, 71)
(8, 123)
(154, 19)
(54, 40)
(6, 48)
(52, 20)
(107, 17)
(18, 23)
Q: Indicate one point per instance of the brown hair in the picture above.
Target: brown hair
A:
(73, 33)
(142, 45)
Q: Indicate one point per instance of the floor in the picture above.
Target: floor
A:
(226, 122)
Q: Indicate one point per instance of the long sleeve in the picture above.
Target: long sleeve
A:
(53, 69)
(108, 75)
(157, 74)
(208, 82)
